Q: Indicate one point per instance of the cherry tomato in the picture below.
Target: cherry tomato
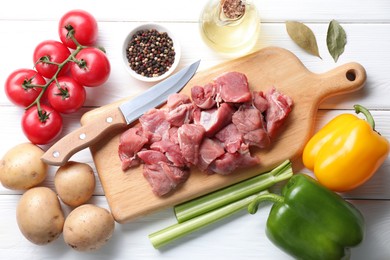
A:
(51, 51)
(93, 68)
(17, 90)
(41, 128)
(66, 95)
(83, 26)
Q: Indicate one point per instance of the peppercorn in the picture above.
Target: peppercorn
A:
(150, 53)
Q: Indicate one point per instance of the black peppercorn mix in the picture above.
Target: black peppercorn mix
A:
(150, 53)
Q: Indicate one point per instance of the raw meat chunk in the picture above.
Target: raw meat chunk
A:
(190, 137)
(258, 137)
(209, 151)
(214, 119)
(171, 151)
(173, 135)
(164, 178)
(177, 175)
(229, 162)
(177, 99)
(158, 179)
(155, 122)
(230, 137)
(280, 106)
(233, 87)
(247, 118)
(204, 97)
(130, 143)
(250, 122)
(260, 101)
(152, 157)
(180, 115)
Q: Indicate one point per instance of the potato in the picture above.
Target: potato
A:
(75, 183)
(21, 167)
(39, 215)
(88, 227)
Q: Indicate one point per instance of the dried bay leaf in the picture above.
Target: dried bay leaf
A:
(336, 39)
(303, 36)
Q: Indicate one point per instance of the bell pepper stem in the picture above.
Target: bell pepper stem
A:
(254, 205)
(366, 113)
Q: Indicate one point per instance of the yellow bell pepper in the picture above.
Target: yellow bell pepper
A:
(346, 152)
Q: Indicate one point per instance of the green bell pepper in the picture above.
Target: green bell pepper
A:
(310, 221)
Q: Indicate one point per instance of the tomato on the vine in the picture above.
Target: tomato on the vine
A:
(66, 95)
(17, 86)
(41, 127)
(47, 52)
(81, 24)
(92, 68)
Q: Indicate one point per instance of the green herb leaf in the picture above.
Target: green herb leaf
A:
(336, 39)
(303, 36)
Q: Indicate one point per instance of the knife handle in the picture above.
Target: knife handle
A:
(60, 152)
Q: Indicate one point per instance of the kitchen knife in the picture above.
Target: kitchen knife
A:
(117, 117)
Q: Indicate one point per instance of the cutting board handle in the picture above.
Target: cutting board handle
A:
(343, 79)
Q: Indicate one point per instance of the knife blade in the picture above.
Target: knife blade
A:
(117, 117)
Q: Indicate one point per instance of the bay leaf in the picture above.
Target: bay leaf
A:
(336, 39)
(303, 36)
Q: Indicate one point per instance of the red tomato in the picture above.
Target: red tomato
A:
(15, 88)
(51, 51)
(93, 68)
(84, 25)
(66, 95)
(41, 128)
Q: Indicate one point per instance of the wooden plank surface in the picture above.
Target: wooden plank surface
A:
(23, 24)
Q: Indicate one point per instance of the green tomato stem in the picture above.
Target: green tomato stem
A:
(71, 58)
(70, 35)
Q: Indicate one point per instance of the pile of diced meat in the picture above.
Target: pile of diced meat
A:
(213, 130)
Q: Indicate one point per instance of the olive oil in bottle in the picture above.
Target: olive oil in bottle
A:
(230, 26)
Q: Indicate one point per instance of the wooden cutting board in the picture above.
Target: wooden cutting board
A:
(129, 194)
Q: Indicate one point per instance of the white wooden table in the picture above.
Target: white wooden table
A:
(23, 24)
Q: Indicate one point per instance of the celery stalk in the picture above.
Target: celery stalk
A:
(171, 233)
(198, 213)
(225, 196)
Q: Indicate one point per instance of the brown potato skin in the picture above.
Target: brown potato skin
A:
(88, 227)
(75, 183)
(21, 167)
(39, 215)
